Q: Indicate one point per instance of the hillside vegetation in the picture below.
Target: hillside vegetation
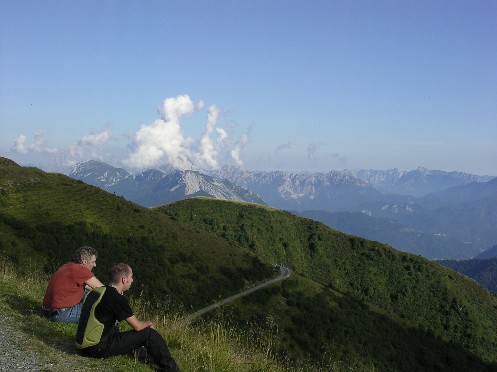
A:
(351, 304)
(45, 217)
(414, 294)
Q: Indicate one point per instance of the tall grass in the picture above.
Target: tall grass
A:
(203, 345)
(212, 345)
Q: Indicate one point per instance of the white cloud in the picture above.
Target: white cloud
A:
(173, 108)
(164, 140)
(164, 137)
(161, 142)
(39, 144)
(221, 135)
(90, 146)
(158, 140)
(236, 152)
(95, 139)
(208, 150)
(20, 145)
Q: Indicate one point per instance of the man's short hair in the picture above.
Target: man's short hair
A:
(118, 271)
(84, 253)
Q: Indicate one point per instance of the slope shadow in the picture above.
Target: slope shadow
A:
(352, 325)
(354, 334)
(57, 335)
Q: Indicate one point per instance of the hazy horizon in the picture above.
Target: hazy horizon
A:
(57, 167)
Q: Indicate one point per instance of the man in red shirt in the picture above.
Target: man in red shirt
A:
(64, 295)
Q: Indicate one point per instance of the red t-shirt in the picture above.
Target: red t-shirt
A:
(66, 286)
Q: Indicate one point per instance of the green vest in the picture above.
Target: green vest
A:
(90, 329)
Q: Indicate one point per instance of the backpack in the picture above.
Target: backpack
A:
(90, 329)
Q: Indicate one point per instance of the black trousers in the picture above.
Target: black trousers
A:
(125, 342)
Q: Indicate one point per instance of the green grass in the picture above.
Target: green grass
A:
(202, 346)
(52, 343)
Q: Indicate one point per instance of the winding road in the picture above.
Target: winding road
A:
(284, 274)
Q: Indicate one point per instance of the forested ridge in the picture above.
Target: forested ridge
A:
(419, 296)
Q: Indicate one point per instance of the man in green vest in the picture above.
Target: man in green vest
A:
(97, 335)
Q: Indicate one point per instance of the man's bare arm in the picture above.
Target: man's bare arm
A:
(137, 324)
(93, 282)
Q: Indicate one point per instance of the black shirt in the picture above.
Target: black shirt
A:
(112, 307)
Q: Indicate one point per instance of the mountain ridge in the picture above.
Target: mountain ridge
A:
(456, 217)
(154, 187)
(417, 182)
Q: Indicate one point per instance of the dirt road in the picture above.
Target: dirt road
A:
(284, 274)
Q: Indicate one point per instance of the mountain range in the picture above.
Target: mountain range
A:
(423, 217)
(154, 187)
(418, 182)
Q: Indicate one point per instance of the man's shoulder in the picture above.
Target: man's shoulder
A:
(74, 271)
(112, 299)
(111, 292)
(65, 268)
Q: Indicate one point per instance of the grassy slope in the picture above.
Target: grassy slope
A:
(209, 347)
(44, 217)
(320, 315)
(51, 344)
(419, 298)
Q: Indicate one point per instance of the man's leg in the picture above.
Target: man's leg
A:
(126, 342)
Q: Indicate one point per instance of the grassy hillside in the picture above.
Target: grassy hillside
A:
(49, 346)
(352, 304)
(420, 299)
(45, 217)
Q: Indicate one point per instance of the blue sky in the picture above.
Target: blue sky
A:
(265, 85)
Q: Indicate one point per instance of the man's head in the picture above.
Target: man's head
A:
(86, 256)
(121, 276)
